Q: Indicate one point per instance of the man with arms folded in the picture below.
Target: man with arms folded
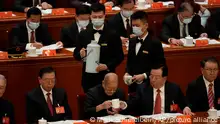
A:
(99, 98)
(31, 33)
(204, 92)
(182, 24)
(45, 100)
(158, 96)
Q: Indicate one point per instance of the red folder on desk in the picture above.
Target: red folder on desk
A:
(3, 55)
(59, 11)
(157, 5)
(49, 52)
(5, 14)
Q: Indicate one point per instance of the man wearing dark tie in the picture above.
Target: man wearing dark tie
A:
(144, 51)
(99, 98)
(6, 107)
(46, 101)
(121, 22)
(31, 33)
(25, 5)
(182, 24)
(111, 53)
(204, 92)
(69, 34)
(158, 96)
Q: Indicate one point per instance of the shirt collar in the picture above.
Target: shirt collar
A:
(44, 91)
(143, 38)
(124, 18)
(181, 23)
(99, 28)
(29, 30)
(207, 82)
(161, 89)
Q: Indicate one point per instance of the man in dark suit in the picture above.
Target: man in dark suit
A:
(69, 34)
(111, 53)
(121, 22)
(6, 107)
(213, 25)
(31, 32)
(99, 98)
(143, 52)
(46, 101)
(25, 5)
(158, 96)
(182, 24)
(204, 92)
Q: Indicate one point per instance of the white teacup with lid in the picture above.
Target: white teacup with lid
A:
(212, 113)
(42, 121)
(188, 41)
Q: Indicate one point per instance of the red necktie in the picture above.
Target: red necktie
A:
(49, 104)
(211, 96)
(32, 37)
(157, 107)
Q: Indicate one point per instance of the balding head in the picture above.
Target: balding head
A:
(110, 83)
(2, 85)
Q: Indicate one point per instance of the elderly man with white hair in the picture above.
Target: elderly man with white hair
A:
(6, 108)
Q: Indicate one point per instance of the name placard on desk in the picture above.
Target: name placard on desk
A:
(3, 55)
(49, 53)
(6, 14)
(59, 11)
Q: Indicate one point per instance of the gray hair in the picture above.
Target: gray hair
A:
(2, 77)
(185, 6)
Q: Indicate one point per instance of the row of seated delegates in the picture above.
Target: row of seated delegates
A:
(181, 24)
(6, 107)
(143, 53)
(25, 5)
(69, 33)
(43, 100)
(111, 53)
(213, 25)
(31, 32)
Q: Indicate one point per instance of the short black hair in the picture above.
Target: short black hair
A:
(83, 9)
(98, 7)
(185, 6)
(33, 11)
(122, 2)
(163, 67)
(209, 59)
(140, 15)
(46, 70)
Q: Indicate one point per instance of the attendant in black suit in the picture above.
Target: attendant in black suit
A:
(204, 92)
(99, 98)
(121, 22)
(43, 101)
(144, 51)
(213, 25)
(69, 34)
(25, 5)
(182, 24)
(111, 54)
(6, 107)
(158, 96)
(31, 32)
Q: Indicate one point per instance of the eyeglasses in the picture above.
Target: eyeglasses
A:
(49, 80)
(212, 70)
(155, 77)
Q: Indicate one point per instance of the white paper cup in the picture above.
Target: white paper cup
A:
(116, 103)
(32, 51)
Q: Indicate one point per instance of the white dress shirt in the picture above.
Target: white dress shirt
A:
(138, 45)
(45, 94)
(207, 85)
(162, 95)
(28, 45)
(181, 24)
(79, 28)
(204, 16)
(97, 35)
(124, 20)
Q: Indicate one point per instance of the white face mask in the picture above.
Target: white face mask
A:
(127, 13)
(33, 25)
(83, 23)
(137, 31)
(187, 20)
(98, 21)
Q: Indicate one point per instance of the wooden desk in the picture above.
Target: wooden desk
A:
(21, 74)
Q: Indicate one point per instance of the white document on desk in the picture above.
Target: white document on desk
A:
(65, 122)
(202, 3)
(162, 116)
(165, 45)
(115, 118)
(167, 3)
(49, 47)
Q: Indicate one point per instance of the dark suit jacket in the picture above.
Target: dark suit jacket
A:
(197, 95)
(20, 5)
(171, 28)
(19, 35)
(7, 108)
(142, 102)
(1, 5)
(69, 35)
(96, 96)
(213, 26)
(37, 108)
(116, 23)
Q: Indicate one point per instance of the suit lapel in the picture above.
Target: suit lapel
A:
(167, 98)
(121, 23)
(150, 100)
(176, 25)
(203, 92)
(143, 46)
(26, 38)
(216, 90)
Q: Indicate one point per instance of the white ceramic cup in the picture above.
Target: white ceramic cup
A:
(128, 79)
(32, 51)
(212, 113)
(116, 103)
(141, 4)
(189, 40)
(42, 121)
